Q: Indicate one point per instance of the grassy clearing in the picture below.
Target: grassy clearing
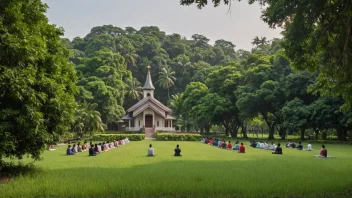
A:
(202, 171)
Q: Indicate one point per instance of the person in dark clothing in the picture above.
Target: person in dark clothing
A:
(92, 151)
(177, 151)
(69, 150)
(224, 145)
(253, 144)
(278, 149)
(299, 146)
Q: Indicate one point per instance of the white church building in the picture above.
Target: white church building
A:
(149, 114)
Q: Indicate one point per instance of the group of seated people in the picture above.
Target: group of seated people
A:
(262, 145)
(299, 146)
(76, 148)
(222, 144)
(95, 149)
(151, 151)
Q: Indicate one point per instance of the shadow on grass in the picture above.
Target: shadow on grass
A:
(10, 170)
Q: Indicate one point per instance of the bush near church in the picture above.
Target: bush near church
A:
(178, 137)
(109, 137)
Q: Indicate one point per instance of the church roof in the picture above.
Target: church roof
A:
(148, 81)
(145, 100)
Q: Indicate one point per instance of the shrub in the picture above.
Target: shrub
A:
(178, 137)
(109, 137)
(123, 132)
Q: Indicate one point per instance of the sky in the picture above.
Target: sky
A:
(240, 26)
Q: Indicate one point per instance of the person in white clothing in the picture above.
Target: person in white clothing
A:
(309, 147)
(150, 151)
(266, 146)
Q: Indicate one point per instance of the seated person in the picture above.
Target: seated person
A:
(272, 146)
(69, 150)
(84, 147)
(100, 148)
(323, 152)
(219, 143)
(258, 145)
(242, 148)
(229, 146)
(266, 146)
(299, 146)
(177, 151)
(203, 140)
(150, 150)
(253, 144)
(74, 149)
(92, 151)
(236, 146)
(51, 148)
(293, 145)
(278, 150)
(309, 147)
(223, 145)
(262, 145)
(79, 148)
(288, 144)
(215, 142)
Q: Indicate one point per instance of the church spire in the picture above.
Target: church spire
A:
(148, 85)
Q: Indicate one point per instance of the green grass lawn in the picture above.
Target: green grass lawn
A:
(202, 171)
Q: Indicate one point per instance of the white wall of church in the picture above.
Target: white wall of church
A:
(138, 119)
(159, 119)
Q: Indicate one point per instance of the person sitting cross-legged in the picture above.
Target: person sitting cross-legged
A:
(69, 150)
(177, 151)
(150, 150)
(272, 146)
(92, 151)
(323, 152)
(242, 148)
(223, 145)
(300, 146)
(309, 147)
(229, 146)
(236, 146)
(278, 150)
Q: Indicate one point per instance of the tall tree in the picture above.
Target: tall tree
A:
(37, 84)
(318, 37)
(134, 89)
(166, 79)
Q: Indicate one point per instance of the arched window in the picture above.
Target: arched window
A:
(148, 94)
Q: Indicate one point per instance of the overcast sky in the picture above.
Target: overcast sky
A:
(77, 17)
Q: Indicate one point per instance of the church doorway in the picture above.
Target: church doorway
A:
(148, 121)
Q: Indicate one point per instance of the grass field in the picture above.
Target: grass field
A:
(202, 171)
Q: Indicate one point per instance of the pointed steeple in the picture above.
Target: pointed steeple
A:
(148, 85)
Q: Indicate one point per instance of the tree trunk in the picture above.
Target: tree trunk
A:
(226, 126)
(271, 131)
(303, 130)
(341, 133)
(244, 130)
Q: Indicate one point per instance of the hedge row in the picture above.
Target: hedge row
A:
(109, 137)
(124, 132)
(178, 137)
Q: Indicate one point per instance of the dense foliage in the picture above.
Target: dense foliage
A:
(178, 137)
(37, 84)
(111, 137)
(318, 37)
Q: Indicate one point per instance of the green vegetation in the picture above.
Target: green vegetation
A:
(178, 137)
(202, 171)
(111, 137)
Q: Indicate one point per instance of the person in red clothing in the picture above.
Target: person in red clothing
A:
(242, 148)
(323, 151)
(229, 146)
